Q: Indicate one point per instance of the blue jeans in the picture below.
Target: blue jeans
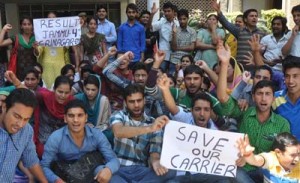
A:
(242, 176)
(140, 174)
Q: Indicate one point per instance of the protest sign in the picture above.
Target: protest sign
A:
(195, 149)
(57, 32)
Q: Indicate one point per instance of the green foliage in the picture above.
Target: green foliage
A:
(197, 19)
(268, 15)
(231, 16)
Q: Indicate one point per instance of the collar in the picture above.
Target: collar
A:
(146, 119)
(105, 21)
(135, 22)
(254, 114)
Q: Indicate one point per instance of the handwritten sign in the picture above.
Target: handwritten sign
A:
(57, 32)
(195, 149)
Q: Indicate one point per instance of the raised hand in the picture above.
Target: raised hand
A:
(159, 123)
(244, 146)
(254, 43)
(163, 82)
(128, 56)
(202, 64)
(249, 59)
(223, 52)
(216, 6)
(112, 51)
(7, 27)
(159, 56)
(246, 76)
(154, 9)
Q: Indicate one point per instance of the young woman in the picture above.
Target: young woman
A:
(98, 107)
(93, 46)
(23, 42)
(207, 39)
(52, 59)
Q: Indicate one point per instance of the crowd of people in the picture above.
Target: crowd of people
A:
(109, 98)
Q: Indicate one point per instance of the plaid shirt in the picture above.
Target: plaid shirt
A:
(185, 37)
(14, 148)
(135, 150)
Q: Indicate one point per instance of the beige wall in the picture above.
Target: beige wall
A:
(11, 13)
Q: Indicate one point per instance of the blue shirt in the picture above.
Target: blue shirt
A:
(60, 146)
(108, 29)
(16, 147)
(132, 38)
(283, 106)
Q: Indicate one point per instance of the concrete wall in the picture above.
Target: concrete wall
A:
(11, 13)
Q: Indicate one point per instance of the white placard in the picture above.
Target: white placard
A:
(57, 32)
(195, 149)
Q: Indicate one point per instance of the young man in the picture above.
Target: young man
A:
(292, 47)
(244, 34)
(274, 42)
(131, 35)
(75, 140)
(183, 40)
(200, 115)
(113, 72)
(287, 102)
(151, 37)
(243, 92)
(138, 138)
(259, 122)
(16, 135)
(164, 27)
(106, 27)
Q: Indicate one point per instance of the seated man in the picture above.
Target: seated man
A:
(137, 138)
(75, 140)
(16, 135)
(259, 122)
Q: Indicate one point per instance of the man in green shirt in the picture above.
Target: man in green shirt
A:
(259, 122)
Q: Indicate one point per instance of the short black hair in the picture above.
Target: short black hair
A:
(188, 56)
(247, 12)
(31, 69)
(92, 79)
(168, 5)
(206, 81)
(284, 140)
(262, 84)
(76, 103)
(39, 66)
(62, 80)
(64, 70)
(183, 12)
(101, 7)
(145, 12)
(139, 66)
(86, 68)
(290, 62)
(22, 96)
(283, 21)
(296, 9)
(264, 67)
(132, 6)
(133, 88)
(202, 96)
(193, 69)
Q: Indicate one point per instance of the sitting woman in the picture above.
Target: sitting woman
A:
(98, 107)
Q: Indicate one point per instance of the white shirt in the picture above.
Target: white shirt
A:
(295, 49)
(273, 48)
(164, 29)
